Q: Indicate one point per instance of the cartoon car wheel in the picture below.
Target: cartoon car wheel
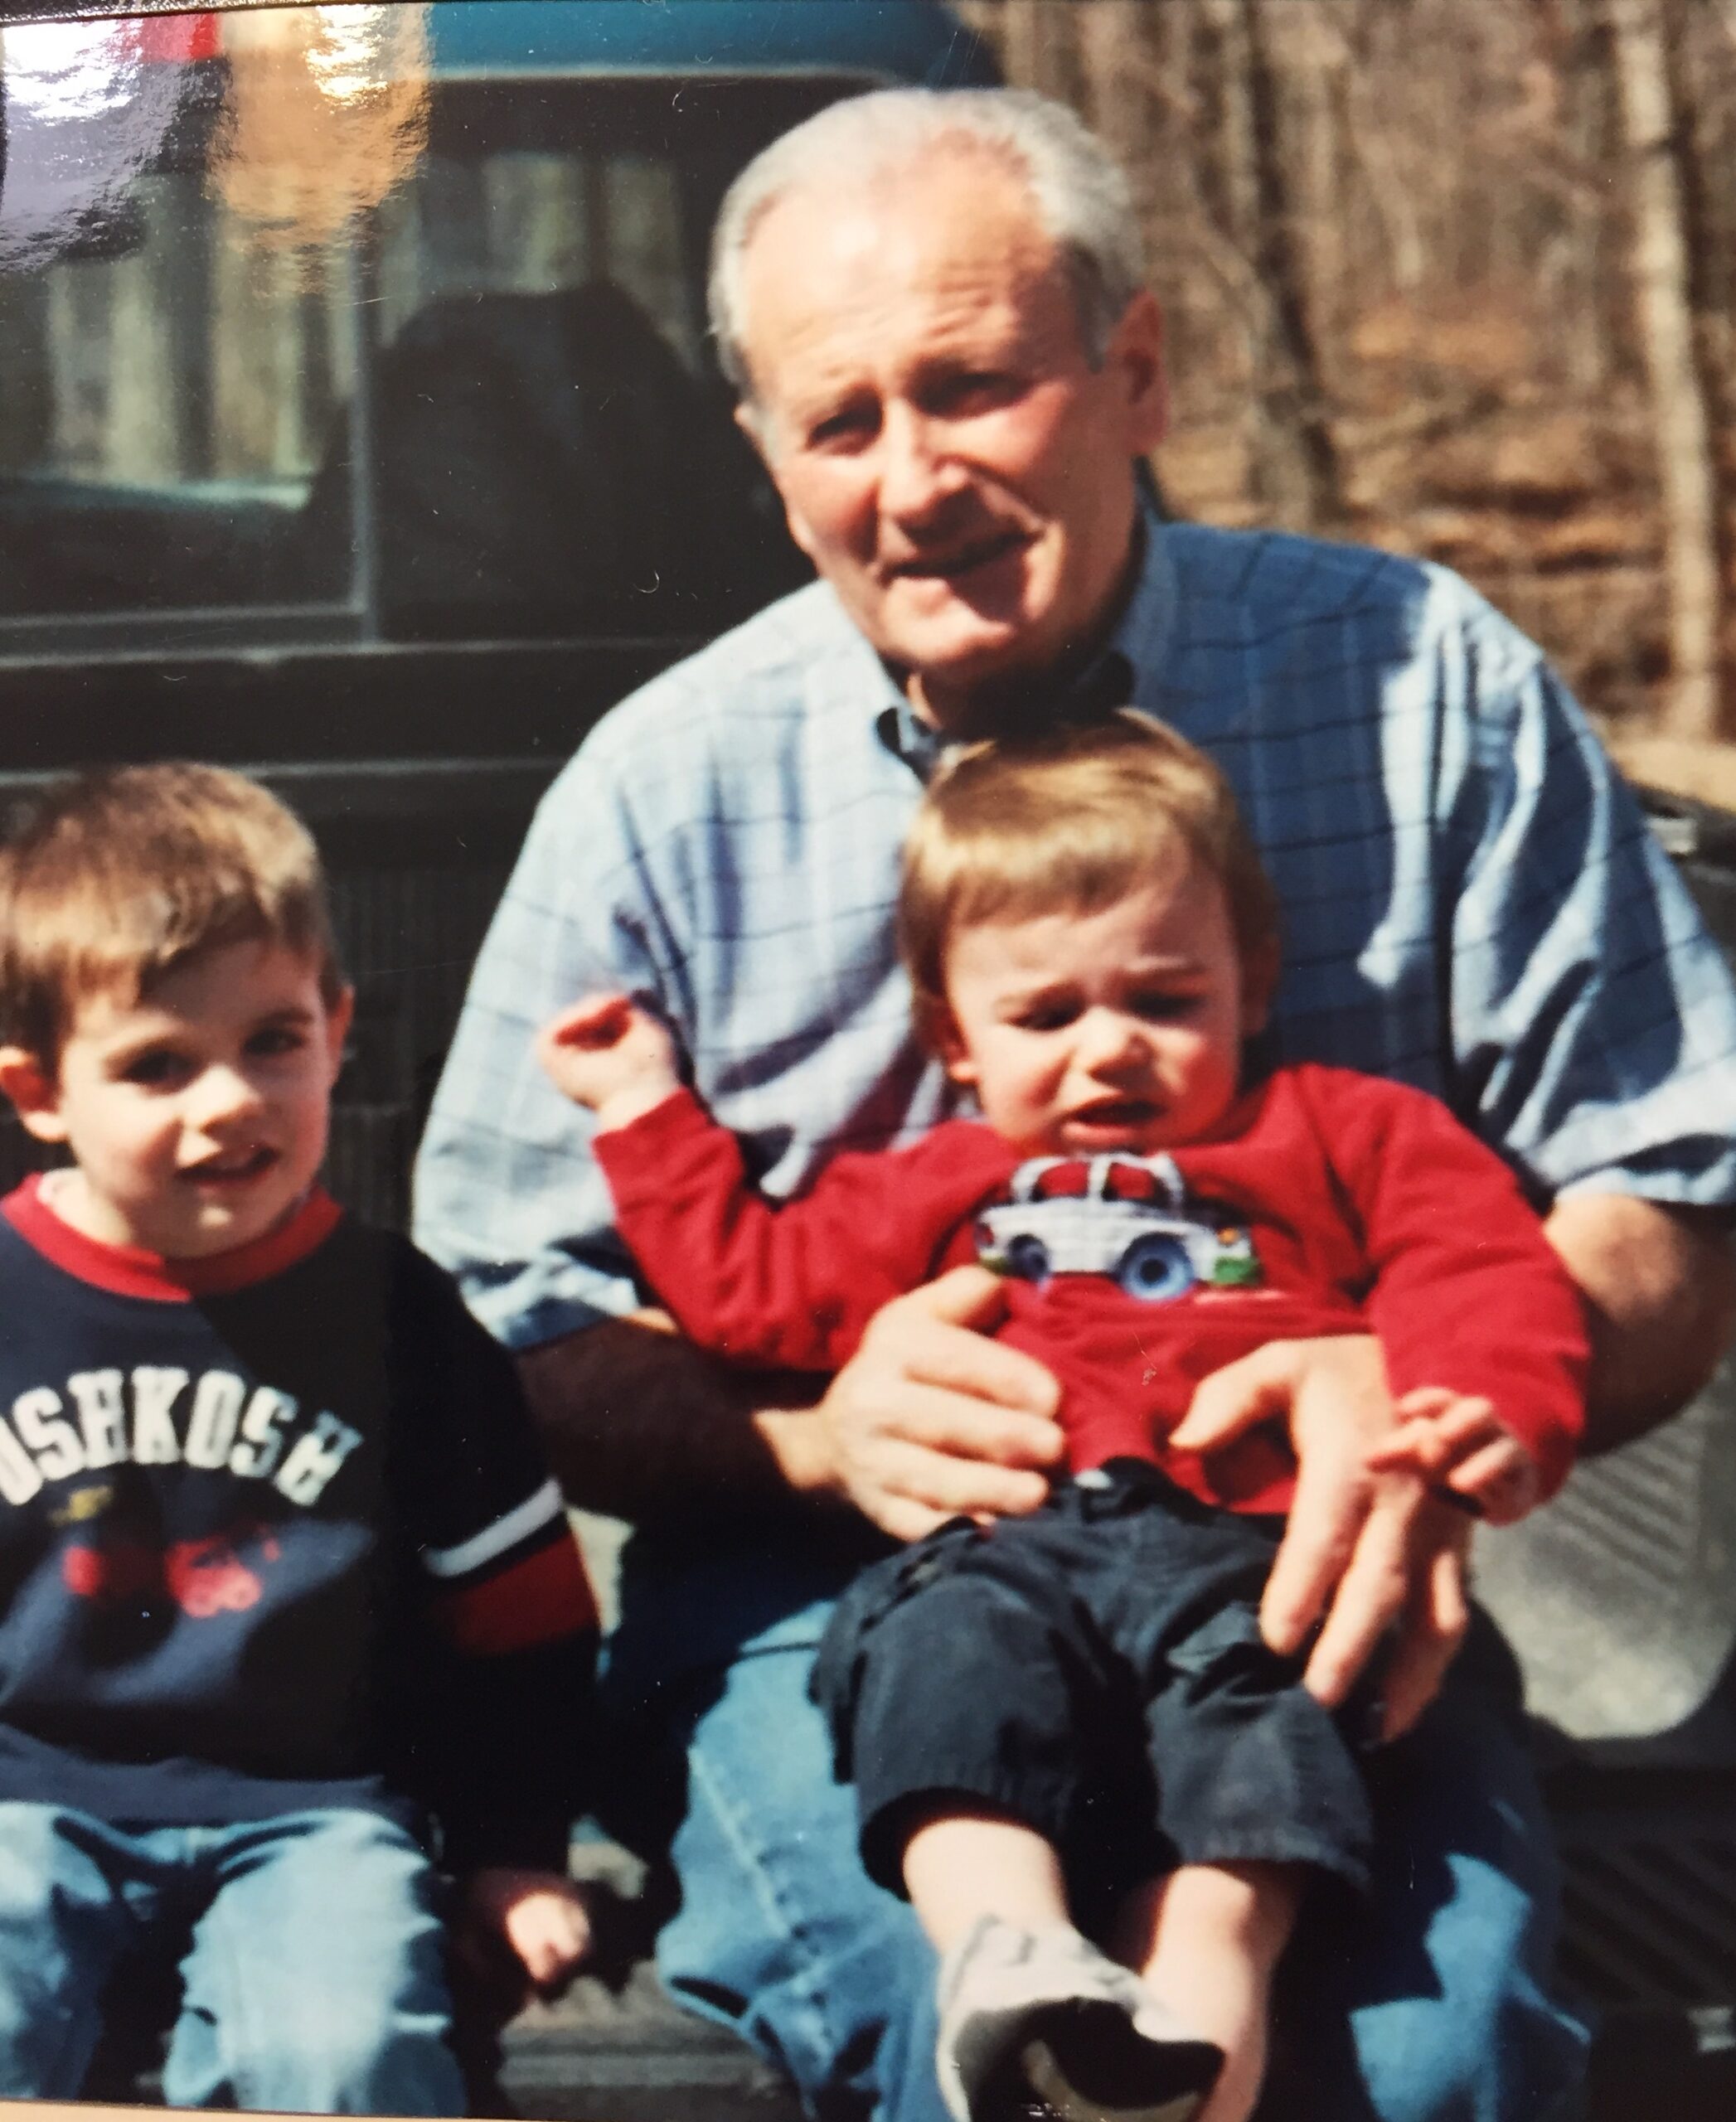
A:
(1028, 1258)
(1155, 1267)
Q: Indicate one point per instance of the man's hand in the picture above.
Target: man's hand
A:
(931, 1420)
(1457, 1440)
(540, 1917)
(606, 1052)
(1364, 1552)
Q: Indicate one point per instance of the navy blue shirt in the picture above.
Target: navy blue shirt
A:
(254, 1515)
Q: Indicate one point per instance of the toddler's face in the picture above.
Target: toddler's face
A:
(197, 1116)
(1121, 1029)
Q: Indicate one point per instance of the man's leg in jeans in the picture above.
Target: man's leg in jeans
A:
(725, 1761)
(1434, 2007)
(780, 1931)
(1429, 2010)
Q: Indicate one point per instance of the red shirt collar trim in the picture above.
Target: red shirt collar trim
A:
(129, 1271)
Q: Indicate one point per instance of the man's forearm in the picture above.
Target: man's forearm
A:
(1660, 1285)
(641, 1424)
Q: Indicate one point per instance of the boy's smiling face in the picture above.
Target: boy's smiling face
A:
(198, 1114)
(1120, 1029)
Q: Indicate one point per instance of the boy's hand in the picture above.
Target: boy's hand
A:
(540, 1916)
(1458, 1443)
(607, 1053)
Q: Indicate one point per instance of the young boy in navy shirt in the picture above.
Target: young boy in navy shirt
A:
(1041, 1708)
(289, 1607)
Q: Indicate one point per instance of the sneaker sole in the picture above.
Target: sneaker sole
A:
(1082, 2061)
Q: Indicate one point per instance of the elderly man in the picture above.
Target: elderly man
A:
(932, 306)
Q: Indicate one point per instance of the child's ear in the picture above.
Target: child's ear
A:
(34, 1093)
(942, 1036)
(339, 1013)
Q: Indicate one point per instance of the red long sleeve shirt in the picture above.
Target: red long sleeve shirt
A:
(1340, 1203)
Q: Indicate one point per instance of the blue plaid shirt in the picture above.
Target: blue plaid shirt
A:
(1471, 902)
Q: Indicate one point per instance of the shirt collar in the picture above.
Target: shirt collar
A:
(1136, 639)
(129, 1271)
(905, 733)
(1144, 630)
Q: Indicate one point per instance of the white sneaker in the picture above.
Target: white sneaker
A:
(1041, 2026)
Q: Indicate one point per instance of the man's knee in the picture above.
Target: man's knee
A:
(1493, 2050)
(1436, 2003)
(1484, 2038)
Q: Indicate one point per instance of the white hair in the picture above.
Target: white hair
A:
(1081, 197)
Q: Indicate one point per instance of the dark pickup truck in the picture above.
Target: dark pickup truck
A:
(357, 427)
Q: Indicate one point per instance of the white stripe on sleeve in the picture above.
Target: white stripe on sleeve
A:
(506, 1532)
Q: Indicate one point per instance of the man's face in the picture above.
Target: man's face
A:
(947, 457)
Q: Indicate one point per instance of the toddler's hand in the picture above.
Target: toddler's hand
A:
(540, 1916)
(607, 1053)
(1458, 1443)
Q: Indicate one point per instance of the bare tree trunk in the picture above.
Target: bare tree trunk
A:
(1295, 459)
(1035, 32)
(1589, 272)
(1114, 55)
(1116, 63)
(1659, 268)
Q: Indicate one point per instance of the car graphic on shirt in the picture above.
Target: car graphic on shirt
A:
(1124, 1217)
(203, 1577)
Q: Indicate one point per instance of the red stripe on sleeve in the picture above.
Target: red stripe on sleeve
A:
(538, 1600)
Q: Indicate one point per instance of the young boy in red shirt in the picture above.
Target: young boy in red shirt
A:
(283, 1580)
(1031, 1707)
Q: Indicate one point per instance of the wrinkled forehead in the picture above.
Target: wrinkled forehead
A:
(959, 216)
(902, 184)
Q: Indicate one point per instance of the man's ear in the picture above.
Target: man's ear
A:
(1260, 968)
(797, 526)
(747, 418)
(35, 1094)
(751, 421)
(1136, 354)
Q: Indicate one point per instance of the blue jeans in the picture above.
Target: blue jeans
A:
(315, 1981)
(1429, 2005)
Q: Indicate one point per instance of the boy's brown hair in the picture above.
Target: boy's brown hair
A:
(1068, 820)
(117, 877)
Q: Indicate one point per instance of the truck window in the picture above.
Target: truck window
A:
(479, 405)
(358, 428)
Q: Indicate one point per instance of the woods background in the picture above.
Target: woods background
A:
(1457, 278)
